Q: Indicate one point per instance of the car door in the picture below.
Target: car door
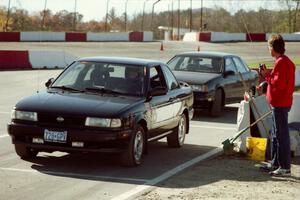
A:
(231, 81)
(245, 72)
(174, 95)
(161, 106)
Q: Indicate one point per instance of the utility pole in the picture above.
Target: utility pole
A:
(153, 13)
(7, 17)
(106, 17)
(178, 30)
(126, 1)
(201, 16)
(74, 20)
(172, 21)
(143, 14)
(44, 16)
(191, 15)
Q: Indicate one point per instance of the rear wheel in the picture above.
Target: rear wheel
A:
(217, 105)
(133, 155)
(176, 139)
(25, 152)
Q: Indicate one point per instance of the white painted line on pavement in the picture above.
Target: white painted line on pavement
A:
(5, 112)
(212, 127)
(73, 174)
(3, 136)
(146, 187)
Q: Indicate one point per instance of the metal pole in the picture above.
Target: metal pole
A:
(201, 16)
(178, 30)
(7, 17)
(142, 27)
(126, 15)
(44, 15)
(191, 15)
(153, 13)
(74, 22)
(106, 17)
(172, 23)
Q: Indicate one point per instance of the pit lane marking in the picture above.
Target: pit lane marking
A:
(148, 186)
(3, 136)
(5, 112)
(77, 175)
(213, 127)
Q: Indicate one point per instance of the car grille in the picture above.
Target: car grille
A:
(46, 119)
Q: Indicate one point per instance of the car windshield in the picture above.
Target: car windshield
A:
(101, 77)
(196, 64)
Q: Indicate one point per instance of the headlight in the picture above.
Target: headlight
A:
(24, 115)
(200, 88)
(102, 122)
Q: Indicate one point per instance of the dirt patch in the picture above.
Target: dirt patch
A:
(228, 177)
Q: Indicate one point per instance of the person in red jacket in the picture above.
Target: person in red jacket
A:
(281, 84)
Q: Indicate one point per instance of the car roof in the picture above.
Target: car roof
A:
(205, 53)
(120, 60)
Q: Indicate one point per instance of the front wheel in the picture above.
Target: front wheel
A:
(24, 152)
(176, 139)
(133, 155)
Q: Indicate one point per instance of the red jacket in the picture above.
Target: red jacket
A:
(281, 83)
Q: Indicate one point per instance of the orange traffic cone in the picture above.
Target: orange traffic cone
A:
(161, 46)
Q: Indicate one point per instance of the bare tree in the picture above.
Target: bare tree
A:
(293, 11)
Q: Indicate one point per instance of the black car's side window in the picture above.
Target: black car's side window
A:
(157, 77)
(240, 65)
(171, 80)
(229, 65)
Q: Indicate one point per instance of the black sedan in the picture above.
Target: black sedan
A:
(104, 104)
(216, 78)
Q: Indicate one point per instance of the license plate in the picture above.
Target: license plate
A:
(55, 136)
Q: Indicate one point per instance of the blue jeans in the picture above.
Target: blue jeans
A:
(280, 146)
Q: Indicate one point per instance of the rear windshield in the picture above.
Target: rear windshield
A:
(196, 64)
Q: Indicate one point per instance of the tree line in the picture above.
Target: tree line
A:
(213, 19)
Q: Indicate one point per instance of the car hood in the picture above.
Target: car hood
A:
(195, 77)
(87, 104)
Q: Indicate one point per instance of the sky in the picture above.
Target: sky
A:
(96, 9)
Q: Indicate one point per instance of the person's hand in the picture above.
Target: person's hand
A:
(263, 70)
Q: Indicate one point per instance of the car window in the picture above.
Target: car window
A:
(73, 74)
(196, 64)
(122, 78)
(240, 65)
(170, 78)
(229, 65)
(157, 77)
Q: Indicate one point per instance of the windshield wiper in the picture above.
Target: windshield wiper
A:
(63, 87)
(102, 90)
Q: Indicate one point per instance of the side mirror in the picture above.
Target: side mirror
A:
(49, 82)
(158, 91)
(229, 73)
(183, 84)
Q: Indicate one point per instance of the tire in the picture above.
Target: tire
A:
(133, 155)
(176, 139)
(24, 152)
(217, 105)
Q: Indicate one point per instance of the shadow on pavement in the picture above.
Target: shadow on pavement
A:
(94, 166)
(230, 168)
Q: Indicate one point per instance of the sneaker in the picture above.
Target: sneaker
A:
(268, 168)
(281, 172)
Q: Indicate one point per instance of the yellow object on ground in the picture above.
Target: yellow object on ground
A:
(256, 148)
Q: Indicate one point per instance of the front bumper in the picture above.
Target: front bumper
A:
(93, 140)
(203, 99)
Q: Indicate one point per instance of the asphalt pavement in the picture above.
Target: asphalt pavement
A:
(99, 176)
